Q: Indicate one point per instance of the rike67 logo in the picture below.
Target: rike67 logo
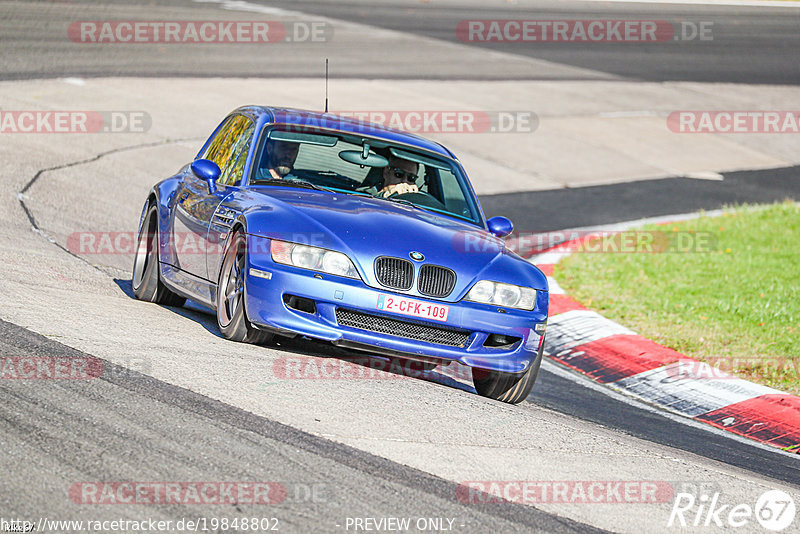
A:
(774, 510)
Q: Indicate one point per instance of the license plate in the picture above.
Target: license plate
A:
(414, 308)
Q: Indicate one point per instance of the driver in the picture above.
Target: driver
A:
(399, 177)
(280, 157)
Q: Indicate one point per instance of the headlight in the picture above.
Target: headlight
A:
(506, 295)
(313, 258)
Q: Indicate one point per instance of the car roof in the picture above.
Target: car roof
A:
(303, 117)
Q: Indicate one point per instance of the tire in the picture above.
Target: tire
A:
(146, 276)
(512, 388)
(231, 311)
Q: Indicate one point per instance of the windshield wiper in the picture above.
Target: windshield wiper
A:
(351, 192)
(303, 183)
(293, 183)
(401, 201)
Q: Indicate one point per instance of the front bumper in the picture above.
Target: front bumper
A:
(267, 309)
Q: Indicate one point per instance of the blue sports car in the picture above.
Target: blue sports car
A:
(293, 222)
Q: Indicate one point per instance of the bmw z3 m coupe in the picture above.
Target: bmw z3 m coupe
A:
(370, 238)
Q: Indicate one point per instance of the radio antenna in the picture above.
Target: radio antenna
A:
(326, 85)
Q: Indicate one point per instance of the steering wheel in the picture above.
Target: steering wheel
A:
(421, 198)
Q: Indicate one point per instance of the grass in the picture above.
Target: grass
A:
(735, 303)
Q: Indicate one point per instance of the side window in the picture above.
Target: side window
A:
(228, 144)
(219, 139)
(233, 172)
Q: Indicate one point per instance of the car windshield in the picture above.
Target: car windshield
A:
(360, 165)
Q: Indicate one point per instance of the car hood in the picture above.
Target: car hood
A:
(365, 228)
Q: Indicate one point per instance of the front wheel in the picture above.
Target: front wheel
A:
(512, 388)
(146, 278)
(231, 311)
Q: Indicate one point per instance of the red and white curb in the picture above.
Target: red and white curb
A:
(621, 359)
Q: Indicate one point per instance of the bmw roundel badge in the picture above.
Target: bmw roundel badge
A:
(416, 256)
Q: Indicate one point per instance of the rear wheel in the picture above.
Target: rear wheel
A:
(512, 388)
(146, 277)
(231, 311)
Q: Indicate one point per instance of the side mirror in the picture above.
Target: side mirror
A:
(500, 226)
(207, 170)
